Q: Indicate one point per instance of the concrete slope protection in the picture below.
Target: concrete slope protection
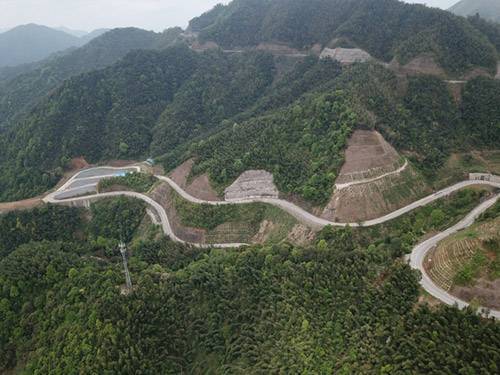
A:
(70, 193)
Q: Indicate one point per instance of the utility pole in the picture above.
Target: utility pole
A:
(123, 250)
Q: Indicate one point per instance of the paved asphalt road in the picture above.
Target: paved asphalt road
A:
(63, 195)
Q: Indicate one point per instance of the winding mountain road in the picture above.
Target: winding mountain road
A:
(420, 251)
(64, 195)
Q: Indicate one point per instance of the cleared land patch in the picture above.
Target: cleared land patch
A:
(368, 157)
(423, 64)
(252, 184)
(198, 187)
(346, 55)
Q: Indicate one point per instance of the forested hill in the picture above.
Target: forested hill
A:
(175, 103)
(387, 29)
(489, 9)
(18, 92)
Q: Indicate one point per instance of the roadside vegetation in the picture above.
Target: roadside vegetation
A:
(401, 234)
(135, 181)
(239, 222)
(469, 256)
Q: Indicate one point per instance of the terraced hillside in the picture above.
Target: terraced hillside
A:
(373, 181)
(468, 264)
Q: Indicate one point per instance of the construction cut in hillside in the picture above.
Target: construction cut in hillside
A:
(198, 186)
(346, 55)
(252, 184)
(373, 181)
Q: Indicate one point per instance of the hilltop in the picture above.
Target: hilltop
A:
(488, 9)
(30, 43)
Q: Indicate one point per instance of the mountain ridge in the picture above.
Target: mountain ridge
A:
(30, 43)
(408, 30)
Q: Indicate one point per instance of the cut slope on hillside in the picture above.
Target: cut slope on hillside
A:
(368, 155)
(362, 202)
(373, 181)
(199, 186)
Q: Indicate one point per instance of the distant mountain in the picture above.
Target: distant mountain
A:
(489, 9)
(77, 33)
(30, 43)
(92, 35)
(23, 86)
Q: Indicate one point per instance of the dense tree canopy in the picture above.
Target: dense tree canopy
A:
(22, 87)
(270, 309)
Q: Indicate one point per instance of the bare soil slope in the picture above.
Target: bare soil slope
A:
(199, 187)
(369, 156)
(423, 64)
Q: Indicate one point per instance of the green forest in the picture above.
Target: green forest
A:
(272, 308)
(384, 28)
(135, 181)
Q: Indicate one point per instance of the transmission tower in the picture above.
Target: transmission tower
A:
(123, 251)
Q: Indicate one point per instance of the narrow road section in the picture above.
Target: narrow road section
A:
(367, 180)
